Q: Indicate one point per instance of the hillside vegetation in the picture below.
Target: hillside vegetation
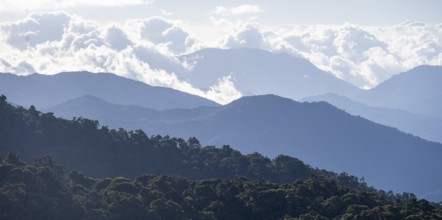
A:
(42, 191)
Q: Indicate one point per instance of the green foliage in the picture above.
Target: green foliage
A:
(26, 193)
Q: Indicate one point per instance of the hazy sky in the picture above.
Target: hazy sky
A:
(362, 42)
(294, 11)
(374, 12)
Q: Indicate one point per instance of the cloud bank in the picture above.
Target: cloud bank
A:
(147, 49)
(362, 55)
(144, 50)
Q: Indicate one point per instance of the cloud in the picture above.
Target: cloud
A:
(149, 54)
(362, 55)
(248, 35)
(224, 91)
(351, 41)
(166, 33)
(239, 10)
(117, 39)
(35, 29)
(81, 34)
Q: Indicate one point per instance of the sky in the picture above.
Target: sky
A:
(361, 42)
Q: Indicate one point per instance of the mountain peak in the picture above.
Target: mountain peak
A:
(257, 72)
(267, 98)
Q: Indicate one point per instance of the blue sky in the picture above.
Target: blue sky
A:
(361, 42)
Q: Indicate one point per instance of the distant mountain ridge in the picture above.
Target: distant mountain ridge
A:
(99, 108)
(317, 133)
(49, 90)
(429, 128)
(418, 90)
(258, 72)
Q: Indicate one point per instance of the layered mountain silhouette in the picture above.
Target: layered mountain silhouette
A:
(257, 72)
(429, 128)
(49, 90)
(317, 133)
(417, 90)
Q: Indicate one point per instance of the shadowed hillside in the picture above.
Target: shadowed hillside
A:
(317, 133)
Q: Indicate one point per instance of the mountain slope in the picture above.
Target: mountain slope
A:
(46, 91)
(429, 128)
(317, 133)
(418, 90)
(257, 72)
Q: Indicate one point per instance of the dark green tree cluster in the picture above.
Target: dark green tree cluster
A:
(42, 191)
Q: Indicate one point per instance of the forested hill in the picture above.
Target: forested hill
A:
(43, 191)
(81, 144)
(317, 133)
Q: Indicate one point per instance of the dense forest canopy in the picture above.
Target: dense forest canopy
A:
(42, 191)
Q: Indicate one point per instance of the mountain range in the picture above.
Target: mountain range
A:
(318, 133)
(240, 186)
(49, 90)
(427, 127)
(417, 90)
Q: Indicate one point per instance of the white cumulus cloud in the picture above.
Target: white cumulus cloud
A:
(35, 29)
(238, 10)
(165, 33)
(117, 38)
(362, 55)
(248, 35)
